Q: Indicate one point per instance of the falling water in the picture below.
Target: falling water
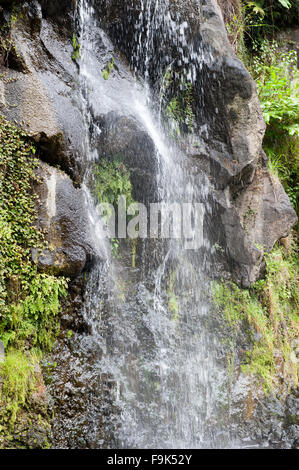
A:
(152, 326)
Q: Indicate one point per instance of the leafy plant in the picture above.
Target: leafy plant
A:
(29, 300)
(111, 181)
(115, 247)
(108, 69)
(76, 47)
(249, 23)
(277, 77)
(248, 17)
(285, 3)
(277, 80)
(179, 110)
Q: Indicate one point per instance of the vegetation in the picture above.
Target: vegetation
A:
(17, 373)
(249, 23)
(277, 80)
(112, 180)
(270, 307)
(7, 46)
(179, 110)
(76, 48)
(108, 69)
(252, 26)
(29, 300)
(178, 100)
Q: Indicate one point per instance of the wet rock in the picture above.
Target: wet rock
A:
(252, 223)
(228, 128)
(39, 85)
(31, 429)
(62, 214)
(270, 421)
(250, 205)
(123, 137)
(60, 13)
(249, 209)
(79, 395)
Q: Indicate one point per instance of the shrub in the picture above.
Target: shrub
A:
(277, 80)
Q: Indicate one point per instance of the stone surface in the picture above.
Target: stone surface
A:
(123, 137)
(289, 40)
(227, 135)
(62, 213)
(39, 85)
(253, 222)
(41, 92)
(249, 208)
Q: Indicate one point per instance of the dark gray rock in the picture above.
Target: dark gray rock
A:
(123, 137)
(252, 222)
(41, 93)
(39, 90)
(229, 129)
(63, 215)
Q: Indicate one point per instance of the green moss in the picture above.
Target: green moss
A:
(270, 307)
(76, 48)
(111, 181)
(108, 69)
(179, 110)
(17, 374)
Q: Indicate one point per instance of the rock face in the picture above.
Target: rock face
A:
(228, 125)
(251, 206)
(78, 389)
(123, 136)
(251, 222)
(39, 89)
(63, 215)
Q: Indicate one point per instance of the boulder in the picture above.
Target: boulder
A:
(63, 215)
(250, 224)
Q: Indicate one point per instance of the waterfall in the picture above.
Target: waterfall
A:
(151, 324)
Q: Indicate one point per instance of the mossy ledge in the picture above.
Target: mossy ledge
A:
(268, 310)
(30, 300)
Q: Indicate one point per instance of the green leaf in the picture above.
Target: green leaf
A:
(285, 3)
